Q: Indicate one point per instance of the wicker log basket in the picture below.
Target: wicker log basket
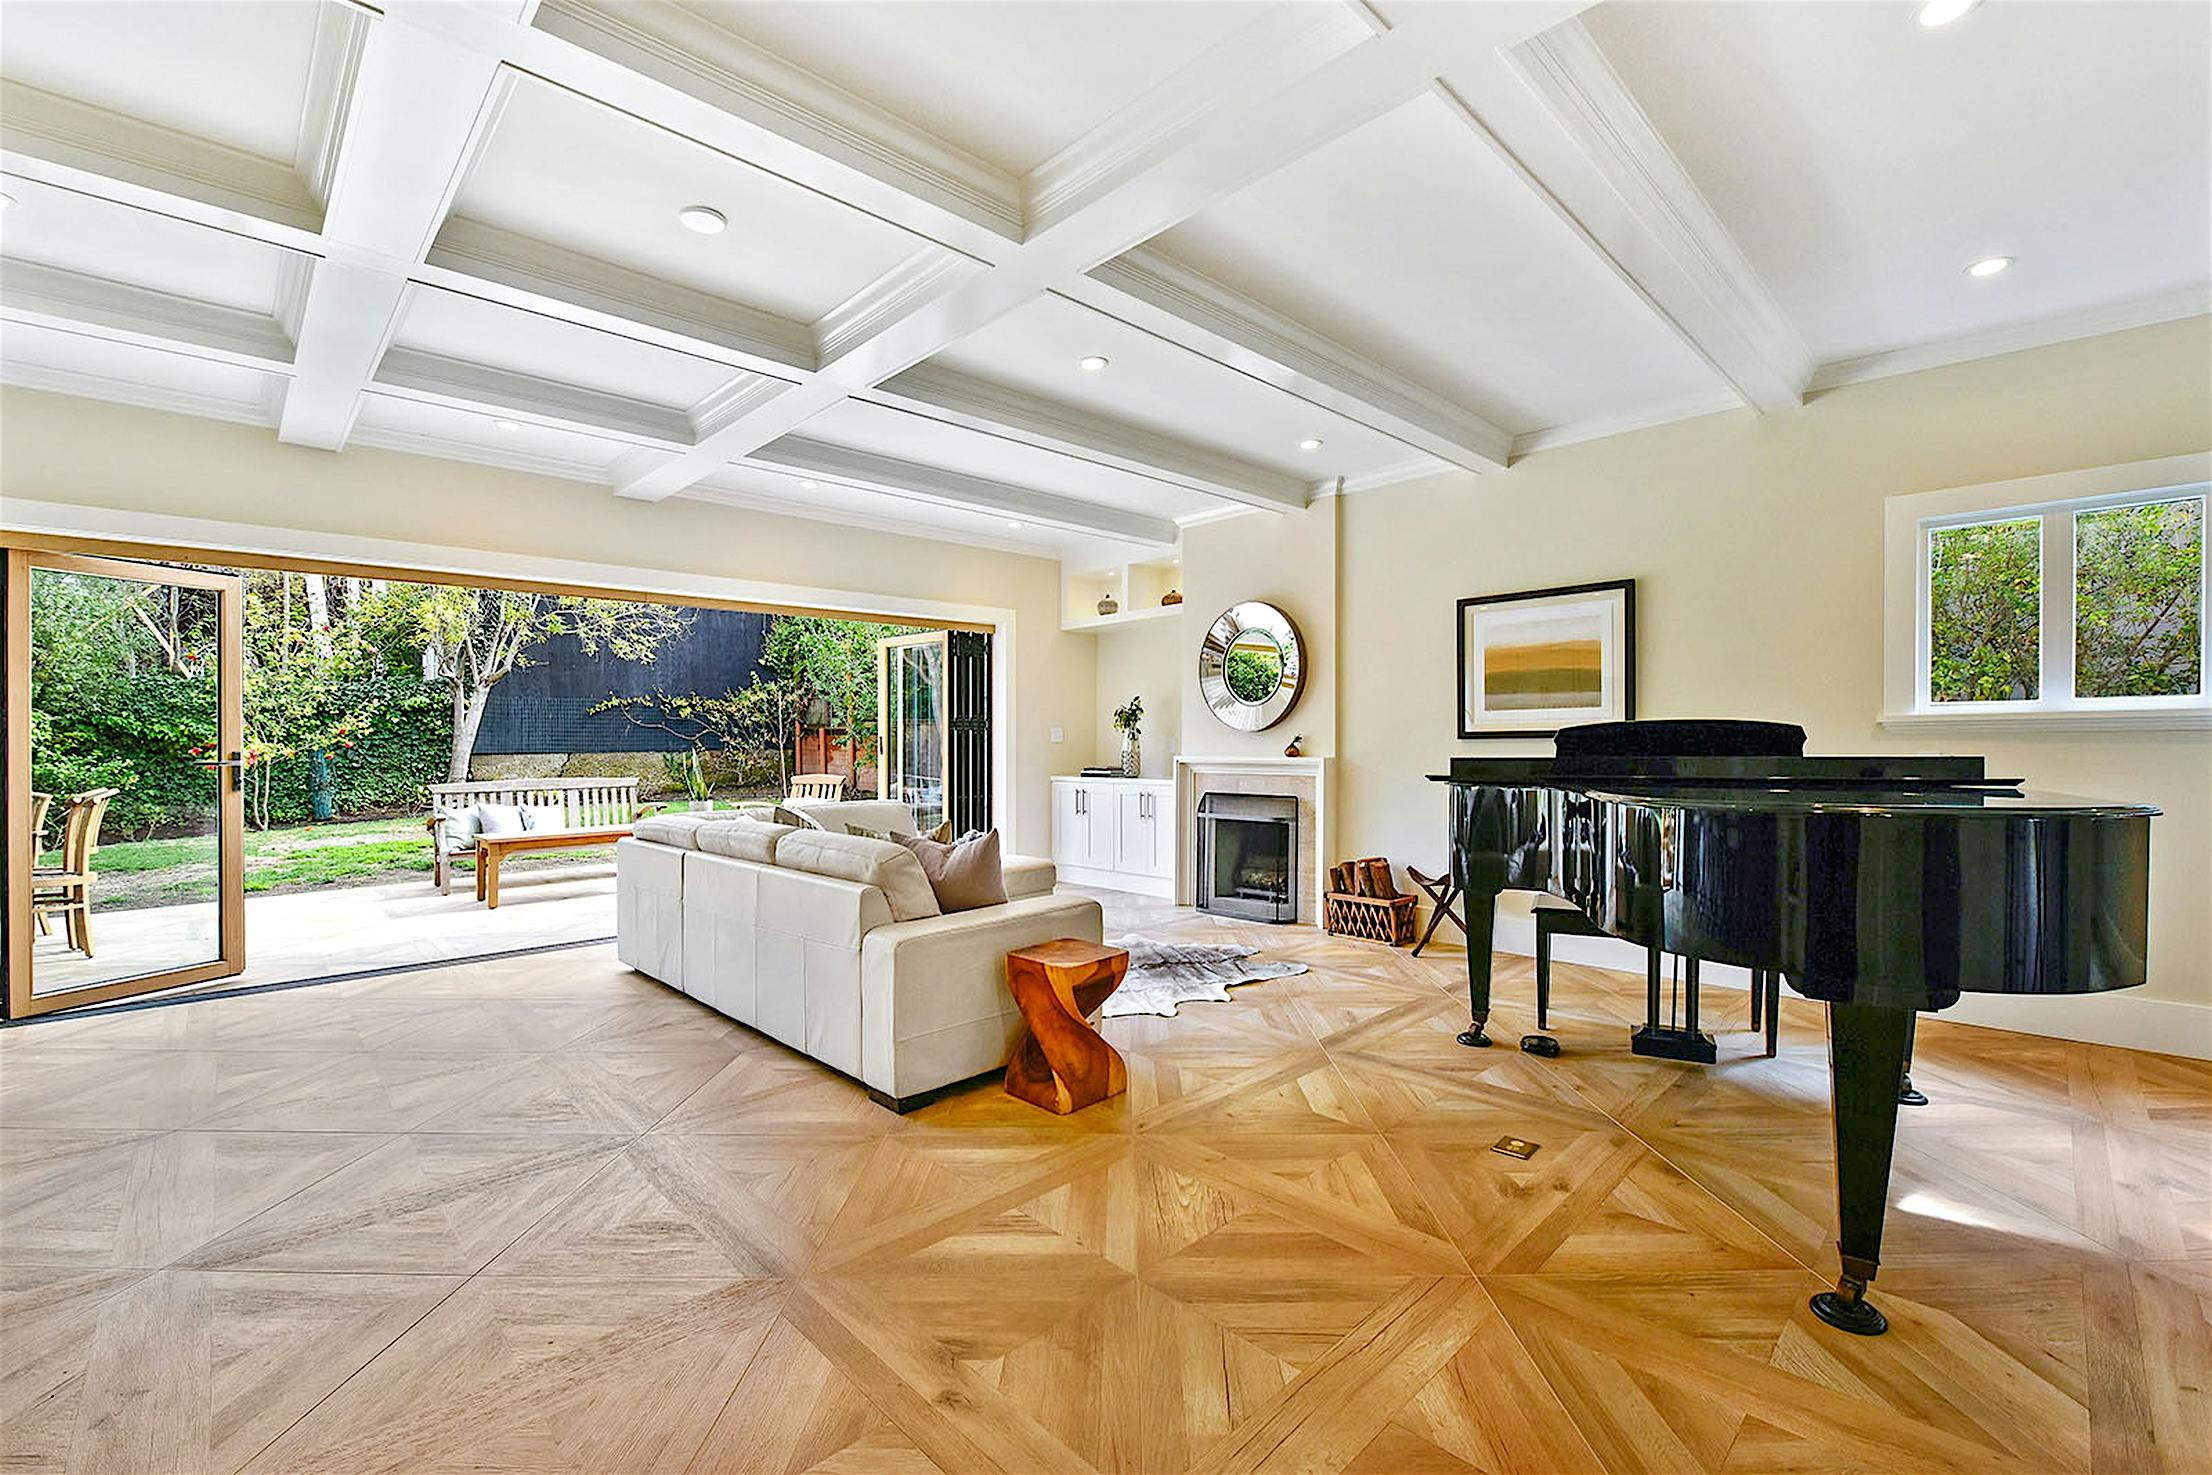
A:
(1364, 901)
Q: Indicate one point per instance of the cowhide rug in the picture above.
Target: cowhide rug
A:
(1166, 975)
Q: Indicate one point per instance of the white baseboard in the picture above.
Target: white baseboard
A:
(2125, 1019)
(1160, 886)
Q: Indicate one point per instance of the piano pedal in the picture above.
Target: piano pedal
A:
(1662, 1043)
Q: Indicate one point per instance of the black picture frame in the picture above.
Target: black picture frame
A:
(1625, 588)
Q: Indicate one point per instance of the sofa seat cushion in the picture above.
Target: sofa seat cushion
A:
(680, 830)
(884, 864)
(742, 839)
(1027, 875)
(886, 815)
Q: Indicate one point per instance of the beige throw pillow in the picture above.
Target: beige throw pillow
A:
(965, 875)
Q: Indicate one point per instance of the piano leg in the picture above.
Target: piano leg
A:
(1866, 1058)
(1482, 912)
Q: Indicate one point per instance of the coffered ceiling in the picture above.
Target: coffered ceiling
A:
(1315, 244)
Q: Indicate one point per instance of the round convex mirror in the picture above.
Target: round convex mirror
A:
(1251, 666)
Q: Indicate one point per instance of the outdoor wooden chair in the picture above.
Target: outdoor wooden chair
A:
(829, 786)
(67, 888)
(41, 806)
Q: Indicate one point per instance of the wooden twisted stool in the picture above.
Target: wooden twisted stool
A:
(1061, 1064)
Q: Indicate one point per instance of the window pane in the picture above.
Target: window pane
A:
(1985, 583)
(2138, 600)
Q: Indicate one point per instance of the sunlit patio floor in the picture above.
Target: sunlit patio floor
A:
(342, 929)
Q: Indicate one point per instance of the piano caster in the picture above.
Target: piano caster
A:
(1907, 1095)
(1846, 1308)
(1473, 1037)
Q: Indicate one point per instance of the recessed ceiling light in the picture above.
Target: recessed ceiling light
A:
(1013, 524)
(1310, 443)
(1091, 363)
(506, 425)
(1989, 266)
(1943, 12)
(704, 219)
(809, 485)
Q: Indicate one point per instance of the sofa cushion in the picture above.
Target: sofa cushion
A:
(887, 815)
(889, 867)
(671, 829)
(1026, 875)
(742, 839)
(963, 876)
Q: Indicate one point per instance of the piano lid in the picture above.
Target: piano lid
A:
(1732, 771)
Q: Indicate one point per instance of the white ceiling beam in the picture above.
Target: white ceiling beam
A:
(1175, 159)
(430, 378)
(961, 399)
(120, 313)
(1556, 111)
(820, 461)
(414, 114)
(1163, 297)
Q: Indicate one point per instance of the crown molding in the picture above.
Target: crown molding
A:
(798, 456)
(691, 55)
(119, 312)
(1389, 476)
(503, 266)
(444, 448)
(2116, 317)
(1579, 431)
(951, 397)
(334, 61)
(430, 378)
(884, 301)
(708, 491)
(1286, 42)
(260, 411)
(1152, 291)
(730, 401)
(74, 145)
(1719, 304)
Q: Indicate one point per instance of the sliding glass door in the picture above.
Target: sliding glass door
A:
(161, 645)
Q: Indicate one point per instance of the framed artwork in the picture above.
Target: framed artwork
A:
(1534, 662)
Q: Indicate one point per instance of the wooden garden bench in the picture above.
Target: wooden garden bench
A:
(587, 804)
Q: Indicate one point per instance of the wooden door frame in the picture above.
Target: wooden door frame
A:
(884, 647)
(20, 1002)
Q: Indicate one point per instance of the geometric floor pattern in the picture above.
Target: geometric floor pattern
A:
(546, 1215)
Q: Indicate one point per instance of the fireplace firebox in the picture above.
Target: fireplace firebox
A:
(1248, 856)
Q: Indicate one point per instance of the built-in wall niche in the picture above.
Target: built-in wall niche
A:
(1137, 587)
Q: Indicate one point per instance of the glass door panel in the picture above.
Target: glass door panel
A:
(911, 672)
(125, 806)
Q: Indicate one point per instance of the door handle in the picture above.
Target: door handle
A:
(236, 763)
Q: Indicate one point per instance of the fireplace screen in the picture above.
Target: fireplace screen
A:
(1248, 856)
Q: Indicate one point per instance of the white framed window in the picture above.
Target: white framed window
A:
(2078, 600)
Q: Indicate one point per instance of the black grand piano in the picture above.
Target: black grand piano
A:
(1878, 886)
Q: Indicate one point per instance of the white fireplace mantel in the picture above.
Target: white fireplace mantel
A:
(1191, 767)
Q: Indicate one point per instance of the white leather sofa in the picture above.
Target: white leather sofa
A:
(821, 940)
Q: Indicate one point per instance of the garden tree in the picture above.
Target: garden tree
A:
(755, 719)
(472, 639)
(2139, 615)
(833, 661)
(303, 681)
(1984, 587)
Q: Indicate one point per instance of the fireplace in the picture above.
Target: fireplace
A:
(1247, 856)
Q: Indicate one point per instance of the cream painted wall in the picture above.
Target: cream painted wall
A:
(115, 458)
(1153, 661)
(1756, 543)
(1288, 560)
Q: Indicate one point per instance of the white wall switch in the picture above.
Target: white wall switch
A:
(1059, 734)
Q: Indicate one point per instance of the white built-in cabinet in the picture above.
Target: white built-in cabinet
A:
(1115, 832)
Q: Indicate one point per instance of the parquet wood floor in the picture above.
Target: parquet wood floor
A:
(546, 1215)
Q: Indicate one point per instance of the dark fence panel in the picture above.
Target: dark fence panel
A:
(546, 707)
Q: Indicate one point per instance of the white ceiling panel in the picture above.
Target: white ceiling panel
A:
(1162, 386)
(1010, 84)
(560, 169)
(232, 71)
(96, 238)
(464, 435)
(888, 432)
(1862, 160)
(1410, 242)
(473, 330)
(99, 368)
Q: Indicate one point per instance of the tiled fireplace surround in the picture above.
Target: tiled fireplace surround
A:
(1304, 779)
